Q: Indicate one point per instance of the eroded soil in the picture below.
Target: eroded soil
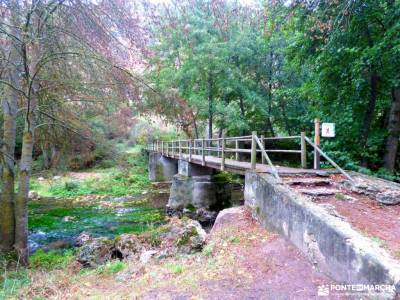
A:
(379, 222)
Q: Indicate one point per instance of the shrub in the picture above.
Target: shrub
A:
(71, 186)
(50, 260)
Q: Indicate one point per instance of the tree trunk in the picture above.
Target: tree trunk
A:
(392, 141)
(25, 165)
(21, 202)
(210, 106)
(242, 113)
(7, 220)
(369, 114)
(269, 123)
(9, 106)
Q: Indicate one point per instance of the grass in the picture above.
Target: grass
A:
(13, 277)
(128, 177)
(208, 250)
(112, 267)
(175, 268)
(50, 260)
(340, 196)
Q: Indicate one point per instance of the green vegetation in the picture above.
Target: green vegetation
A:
(12, 275)
(129, 177)
(208, 250)
(111, 268)
(276, 66)
(340, 196)
(50, 260)
(175, 268)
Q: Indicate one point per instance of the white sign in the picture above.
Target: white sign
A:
(328, 130)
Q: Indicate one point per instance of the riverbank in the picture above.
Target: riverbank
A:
(240, 259)
(102, 202)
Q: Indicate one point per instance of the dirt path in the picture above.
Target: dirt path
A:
(241, 261)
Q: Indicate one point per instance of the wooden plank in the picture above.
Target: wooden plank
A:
(263, 143)
(203, 161)
(253, 150)
(329, 159)
(223, 153)
(190, 151)
(303, 151)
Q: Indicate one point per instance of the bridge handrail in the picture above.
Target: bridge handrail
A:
(273, 169)
(329, 159)
(203, 145)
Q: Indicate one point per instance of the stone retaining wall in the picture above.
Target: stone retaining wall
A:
(328, 241)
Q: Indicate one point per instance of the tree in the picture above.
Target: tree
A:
(46, 40)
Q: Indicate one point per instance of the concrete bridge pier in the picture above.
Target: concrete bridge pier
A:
(193, 186)
(161, 168)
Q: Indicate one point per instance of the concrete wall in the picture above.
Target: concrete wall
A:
(195, 185)
(161, 168)
(197, 191)
(329, 242)
(186, 168)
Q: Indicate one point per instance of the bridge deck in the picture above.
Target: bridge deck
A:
(240, 167)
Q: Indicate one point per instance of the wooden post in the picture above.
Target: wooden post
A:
(253, 150)
(317, 158)
(190, 150)
(303, 150)
(218, 146)
(223, 153)
(203, 154)
(173, 148)
(262, 156)
(180, 148)
(237, 148)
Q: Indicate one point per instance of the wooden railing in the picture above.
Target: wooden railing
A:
(232, 147)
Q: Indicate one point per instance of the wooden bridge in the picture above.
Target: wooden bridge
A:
(226, 154)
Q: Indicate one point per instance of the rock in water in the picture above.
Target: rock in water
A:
(95, 252)
(388, 197)
(128, 245)
(60, 244)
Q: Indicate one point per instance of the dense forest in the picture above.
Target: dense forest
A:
(76, 75)
(276, 66)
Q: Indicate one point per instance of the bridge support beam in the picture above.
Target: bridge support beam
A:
(193, 186)
(196, 186)
(161, 168)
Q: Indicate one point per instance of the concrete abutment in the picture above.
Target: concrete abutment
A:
(329, 242)
(161, 168)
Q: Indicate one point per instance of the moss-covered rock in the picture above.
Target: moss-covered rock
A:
(95, 252)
